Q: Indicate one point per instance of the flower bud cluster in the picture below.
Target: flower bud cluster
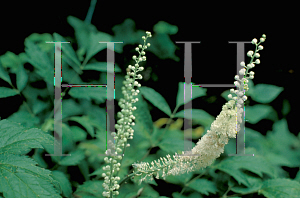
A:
(125, 122)
(242, 84)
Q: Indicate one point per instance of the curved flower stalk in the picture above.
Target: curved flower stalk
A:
(211, 145)
(125, 122)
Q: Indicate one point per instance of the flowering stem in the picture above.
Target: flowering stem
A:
(127, 177)
(125, 122)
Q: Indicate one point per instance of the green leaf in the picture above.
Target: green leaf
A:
(96, 93)
(82, 32)
(127, 33)
(256, 113)
(41, 40)
(64, 183)
(4, 74)
(256, 164)
(90, 189)
(15, 139)
(280, 187)
(163, 47)
(39, 106)
(20, 177)
(95, 46)
(67, 49)
(265, 93)
(70, 108)
(74, 159)
(198, 115)
(203, 186)
(40, 60)
(86, 122)
(93, 148)
(78, 133)
(156, 99)
(196, 93)
(173, 145)
(101, 66)
(67, 139)
(22, 78)
(25, 118)
(163, 27)
(280, 138)
(10, 60)
(7, 92)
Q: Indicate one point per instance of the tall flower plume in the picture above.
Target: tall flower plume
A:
(211, 145)
(125, 122)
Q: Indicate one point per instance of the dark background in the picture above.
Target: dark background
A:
(214, 59)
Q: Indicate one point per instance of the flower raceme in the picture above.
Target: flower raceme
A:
(211, 145)
(125, 122)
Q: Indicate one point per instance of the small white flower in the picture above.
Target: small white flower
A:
(229, 96)
(236, 83)
(236, 77)
(262, 40)
(254, 41)
(257, 61)
(242, 71)
(242, 63)
(240, 93)
(260, 47)
(250, 53)
(240, 101)
(257, 55)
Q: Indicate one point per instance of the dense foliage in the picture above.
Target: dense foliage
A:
(27, 135)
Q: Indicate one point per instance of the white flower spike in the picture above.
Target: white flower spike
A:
(211, 145)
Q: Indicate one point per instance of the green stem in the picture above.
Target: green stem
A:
(90, 13)
(126, 178)
(225, 194)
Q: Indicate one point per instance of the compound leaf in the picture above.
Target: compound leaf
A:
(156, 99)
(19, 175)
